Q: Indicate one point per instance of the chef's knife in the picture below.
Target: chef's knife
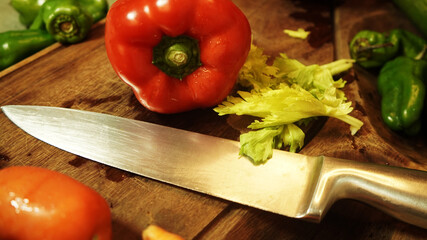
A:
(290, 184)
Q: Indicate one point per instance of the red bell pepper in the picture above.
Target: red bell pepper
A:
(177, 55)
(40, 204)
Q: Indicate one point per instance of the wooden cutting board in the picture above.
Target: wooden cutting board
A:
(375, 142)
(80, 77)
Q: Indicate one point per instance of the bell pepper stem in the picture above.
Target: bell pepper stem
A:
(375, 46)
(65, 26)
(177, 56)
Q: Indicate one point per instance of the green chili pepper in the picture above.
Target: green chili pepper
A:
(372, 49)
(401, 84)
(28, 9)
(65, 20)
(98, 9)
(17, 45)
(416, 11)
(410, 44)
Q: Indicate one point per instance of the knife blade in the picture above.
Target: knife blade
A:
(289, 184)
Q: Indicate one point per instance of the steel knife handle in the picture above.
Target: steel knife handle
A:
(399, 192)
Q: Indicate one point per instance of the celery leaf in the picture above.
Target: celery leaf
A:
(284, 95)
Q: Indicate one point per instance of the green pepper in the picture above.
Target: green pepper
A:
(17, 45)
(28, 9)
(372, 49)
(416, 11)
(401, 84)
(65, 20)
(410, 44)
(98, 9)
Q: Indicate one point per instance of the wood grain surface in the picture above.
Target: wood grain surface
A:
(80, 77)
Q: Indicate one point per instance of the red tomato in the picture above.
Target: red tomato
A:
(37, 203)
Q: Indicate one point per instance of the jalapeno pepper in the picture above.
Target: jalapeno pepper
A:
(401, 84)
(17, 45)
(372, 49)
(177, 55)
